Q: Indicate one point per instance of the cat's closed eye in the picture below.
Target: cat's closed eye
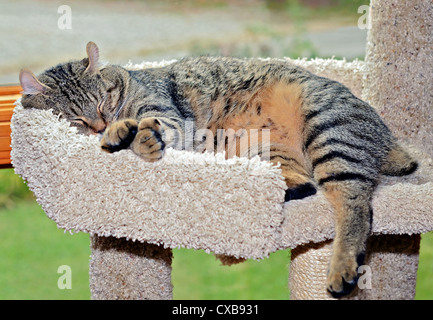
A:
(79, 121)
(88, 126)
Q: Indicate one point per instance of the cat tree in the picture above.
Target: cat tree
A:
(235, 208)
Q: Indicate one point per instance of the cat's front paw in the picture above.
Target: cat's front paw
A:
(148, 142)
(342, 276)
(119, 135)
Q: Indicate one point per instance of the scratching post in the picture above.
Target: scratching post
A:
(389, 270)
(137, 211)
(399, 68)
(308, 265)
(126, 270)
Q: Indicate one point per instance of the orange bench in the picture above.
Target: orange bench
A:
(8, 95)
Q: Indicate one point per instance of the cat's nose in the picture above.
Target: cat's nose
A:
(99, 126)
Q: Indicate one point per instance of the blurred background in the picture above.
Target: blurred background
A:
(40, 33)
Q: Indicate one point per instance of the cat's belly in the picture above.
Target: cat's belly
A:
(276, 114)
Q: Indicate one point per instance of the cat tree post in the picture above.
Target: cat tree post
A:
(126, 270)
(389, 270)
(399, 68)
(397, 82)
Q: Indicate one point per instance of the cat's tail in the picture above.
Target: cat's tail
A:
(398, 162)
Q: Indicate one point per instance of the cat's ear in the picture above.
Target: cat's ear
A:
(30, 84)
(93, 56)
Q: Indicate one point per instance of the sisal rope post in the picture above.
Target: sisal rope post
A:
(389, 270)
(308, 268)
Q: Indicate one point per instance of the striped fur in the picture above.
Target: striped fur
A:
(320, 133)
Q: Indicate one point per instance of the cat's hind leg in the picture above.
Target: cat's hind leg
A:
(347, 176)
(281, 113)
(296, 174)
(350, 194)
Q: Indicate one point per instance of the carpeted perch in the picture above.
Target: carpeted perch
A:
(235, 208)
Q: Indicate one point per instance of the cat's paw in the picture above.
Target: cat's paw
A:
(342, 277)
(119, 135)
(148, 142)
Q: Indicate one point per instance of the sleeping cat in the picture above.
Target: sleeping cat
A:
(320, 133)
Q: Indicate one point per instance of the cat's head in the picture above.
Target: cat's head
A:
(81, 91)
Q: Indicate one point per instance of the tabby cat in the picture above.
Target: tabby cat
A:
(320, 133)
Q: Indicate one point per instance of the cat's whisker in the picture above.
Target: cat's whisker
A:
(119, 109)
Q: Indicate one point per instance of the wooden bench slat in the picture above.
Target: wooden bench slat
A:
(6, 104)
(5, 143)
(5, 159)
(5, 154)
(10, 90)
(6, 114)
(8, 96)
(5, 129)
(6, 107)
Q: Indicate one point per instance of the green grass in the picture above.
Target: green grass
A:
(32, 248)
(12, 189)
(424, 281)
(198, 275)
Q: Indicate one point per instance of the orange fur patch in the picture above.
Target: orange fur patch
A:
(280, 112)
